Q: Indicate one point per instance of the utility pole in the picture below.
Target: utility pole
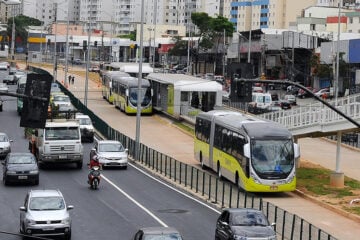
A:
(249, 50)
(55, 50)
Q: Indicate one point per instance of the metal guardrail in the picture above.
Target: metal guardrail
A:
(205, 185)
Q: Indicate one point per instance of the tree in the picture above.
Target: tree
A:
(21, 24)
(211, 33)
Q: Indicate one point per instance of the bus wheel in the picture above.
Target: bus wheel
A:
(219, 171)
(202, 162)
(237, 179)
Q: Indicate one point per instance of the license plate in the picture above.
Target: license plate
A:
(273, 187)
(62, 156)
(48, 228)
(22, 177)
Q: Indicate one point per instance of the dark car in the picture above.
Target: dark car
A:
(284, 104)
(243, 223)
(163, 233)
(10, 80)
(20, 167)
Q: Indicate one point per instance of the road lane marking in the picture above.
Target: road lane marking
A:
(134, 201)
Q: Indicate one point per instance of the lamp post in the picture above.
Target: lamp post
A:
(249, 50)
(12, 3)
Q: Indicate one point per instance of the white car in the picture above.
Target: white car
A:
(290, 98)
(5, 147)
(4, 87)
(110, 153)
(45, 213)
(86, 127)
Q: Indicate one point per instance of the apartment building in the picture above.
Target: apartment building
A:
(279, 14)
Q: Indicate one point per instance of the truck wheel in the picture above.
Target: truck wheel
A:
(79, 165)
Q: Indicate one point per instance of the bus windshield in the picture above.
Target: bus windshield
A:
(145, 96)
(272, 158)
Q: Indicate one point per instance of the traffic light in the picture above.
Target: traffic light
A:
(49, 42)
(135, 46)
(95, 43)
(34, 110)
(84, 45)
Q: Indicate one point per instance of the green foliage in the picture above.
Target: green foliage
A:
(21, 24)
(180, 48)
(131, 36)
(316, 181)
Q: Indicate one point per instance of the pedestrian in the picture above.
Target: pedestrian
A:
(69, 79)
(72, 80)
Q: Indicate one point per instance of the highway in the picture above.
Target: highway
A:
(159, 133)
(126, 200)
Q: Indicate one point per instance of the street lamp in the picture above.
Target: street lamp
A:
(12, 3)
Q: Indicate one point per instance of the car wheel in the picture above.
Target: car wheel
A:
(5, 181)
(36, 182)
(67, 236)
(79, 165)
(125, 167)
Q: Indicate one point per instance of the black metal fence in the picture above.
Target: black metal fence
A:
(205, 185)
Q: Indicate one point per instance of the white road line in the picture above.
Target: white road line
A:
(134, 201)
(163, 183)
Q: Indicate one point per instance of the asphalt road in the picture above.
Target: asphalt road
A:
(126, 200)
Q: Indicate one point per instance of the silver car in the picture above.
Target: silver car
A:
(45, 213)
(110, 153)
(5, 146)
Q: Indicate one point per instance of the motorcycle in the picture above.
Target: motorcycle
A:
(94, 177)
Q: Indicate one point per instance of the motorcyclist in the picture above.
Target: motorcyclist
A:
(94, 162)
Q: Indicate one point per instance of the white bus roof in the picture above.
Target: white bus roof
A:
(135, 68)
(186, 83)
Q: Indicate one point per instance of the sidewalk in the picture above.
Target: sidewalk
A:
(165, 138)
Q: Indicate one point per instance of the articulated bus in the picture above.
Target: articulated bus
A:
(130, 68)
(107, 79)
(125, 90)
(255, 154)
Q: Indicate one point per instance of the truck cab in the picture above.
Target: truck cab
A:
(58, 142)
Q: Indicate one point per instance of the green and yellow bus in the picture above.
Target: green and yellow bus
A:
(255, 154)
(107, 79)
(125, 91)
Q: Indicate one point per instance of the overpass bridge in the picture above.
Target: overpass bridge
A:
(318, 120)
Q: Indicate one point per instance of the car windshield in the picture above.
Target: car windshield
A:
(171, 236)
(61, 133)
(111, 147)
(46, 203)
(26, 159)
(3, 138)
(61, 98)
(248, 219)
(84, 121)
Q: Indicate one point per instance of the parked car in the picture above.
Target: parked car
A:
(243, 223)
(304, 94)
(323, 93)
(290, 98)
(20, 167)
(163, 233)
(110, 153)
(4, 87)
(5, 146)
(94, 69)
(86, 127)
(284, 104)
(9, 79)
(77, 61)
(45, 213)
(1, 104)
